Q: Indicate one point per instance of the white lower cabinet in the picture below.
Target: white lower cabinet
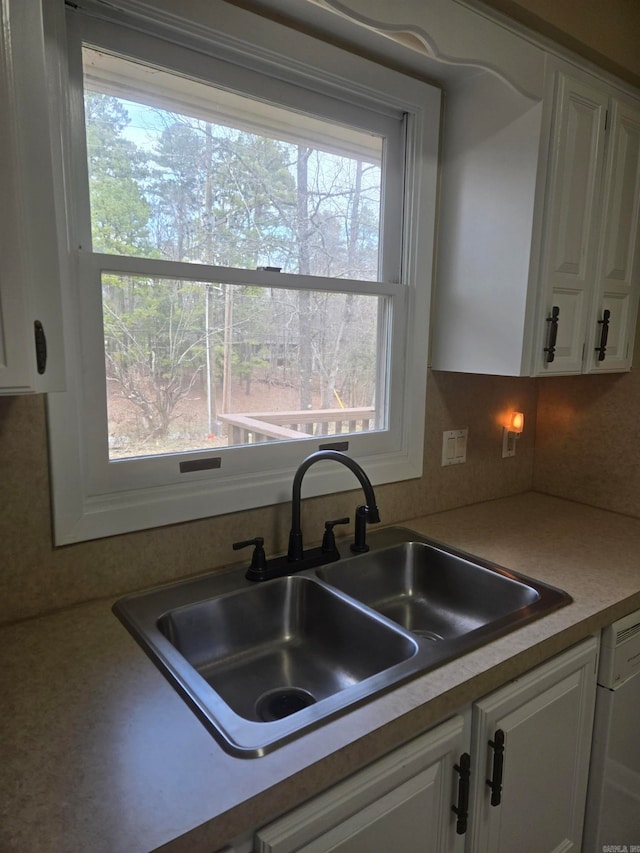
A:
(532, 740)
(401, 803)
(529, 746)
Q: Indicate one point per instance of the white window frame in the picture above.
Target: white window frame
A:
(88, 502)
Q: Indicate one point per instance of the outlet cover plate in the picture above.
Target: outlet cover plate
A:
(454, 446)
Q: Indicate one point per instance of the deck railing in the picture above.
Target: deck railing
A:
(253, 427)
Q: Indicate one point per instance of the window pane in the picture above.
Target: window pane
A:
(185, 171)
(193, 365)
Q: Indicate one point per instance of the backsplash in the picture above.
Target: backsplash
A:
(36, 577)
(588, 439)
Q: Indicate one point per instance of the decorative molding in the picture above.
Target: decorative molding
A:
(453, 35)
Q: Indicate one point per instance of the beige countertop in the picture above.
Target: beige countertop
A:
(99, 753)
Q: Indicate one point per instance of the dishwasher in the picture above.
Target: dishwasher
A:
(612, 818)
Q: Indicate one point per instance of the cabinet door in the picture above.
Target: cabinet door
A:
(31, 337)
(15, 372)
(402, 803)
(611, 335)
(571, 226)
(544, 722)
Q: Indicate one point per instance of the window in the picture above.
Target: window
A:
(250, 238)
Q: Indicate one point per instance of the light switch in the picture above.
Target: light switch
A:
(454, 446)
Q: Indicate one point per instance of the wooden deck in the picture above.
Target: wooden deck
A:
(253, 427)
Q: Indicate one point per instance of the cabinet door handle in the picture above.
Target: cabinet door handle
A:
(41, 346)
(462, 809)
(495, 783)
(601, 350)
(553, 334)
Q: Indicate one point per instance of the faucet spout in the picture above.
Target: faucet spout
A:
(369, 511)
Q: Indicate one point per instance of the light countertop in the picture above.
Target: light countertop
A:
(99, 753)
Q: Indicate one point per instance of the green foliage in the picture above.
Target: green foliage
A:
(119, 210)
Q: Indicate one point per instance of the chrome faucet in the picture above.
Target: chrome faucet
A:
(297, 559)
(364, 514)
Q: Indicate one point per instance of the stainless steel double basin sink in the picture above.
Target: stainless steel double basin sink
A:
(261, 663)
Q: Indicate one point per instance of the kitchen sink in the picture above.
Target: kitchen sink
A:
(263, 662)
(279, 647)
(432, 592)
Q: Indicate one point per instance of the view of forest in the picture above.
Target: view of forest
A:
(182, 353)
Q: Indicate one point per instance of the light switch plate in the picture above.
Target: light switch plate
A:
(454, 446)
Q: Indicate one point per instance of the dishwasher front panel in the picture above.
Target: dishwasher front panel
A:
(613, 802)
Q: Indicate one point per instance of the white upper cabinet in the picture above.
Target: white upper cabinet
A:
(538, 271)
(589, 272)
(572, 226)
(617, 282)
(484, 309)
(31, 339)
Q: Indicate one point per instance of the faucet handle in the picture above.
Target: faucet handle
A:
(364, 515)
(329, 539)
(259, 558)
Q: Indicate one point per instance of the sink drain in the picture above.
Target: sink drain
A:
(280, 703)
